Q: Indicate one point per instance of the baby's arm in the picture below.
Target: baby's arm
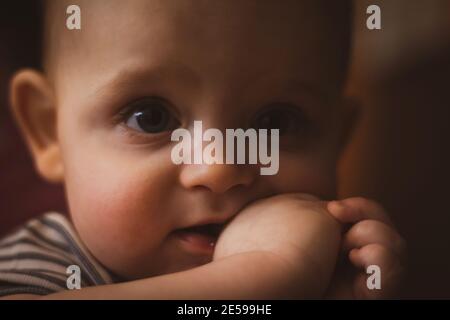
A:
(235, 277)
(280, 247)
(252, 275)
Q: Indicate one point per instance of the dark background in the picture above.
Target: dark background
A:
(399, 154)
(22, 193)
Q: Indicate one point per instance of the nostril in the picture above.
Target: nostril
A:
(218, 178)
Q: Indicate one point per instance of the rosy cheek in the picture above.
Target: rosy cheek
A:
(120, 209)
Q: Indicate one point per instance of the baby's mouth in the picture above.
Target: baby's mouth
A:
(201, 237)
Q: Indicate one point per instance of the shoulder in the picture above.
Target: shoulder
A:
(35, 258)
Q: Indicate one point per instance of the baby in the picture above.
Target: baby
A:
(99, 116)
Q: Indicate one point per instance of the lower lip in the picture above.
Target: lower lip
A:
(196, 242)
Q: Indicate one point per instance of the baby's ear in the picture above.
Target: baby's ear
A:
(34, 108)
(350, 115)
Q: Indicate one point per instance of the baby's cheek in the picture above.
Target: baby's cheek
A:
(306, 174)
(118, 215)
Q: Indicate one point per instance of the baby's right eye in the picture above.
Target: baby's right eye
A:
(150, 115)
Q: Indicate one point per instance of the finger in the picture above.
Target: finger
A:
(371, 231)
(353, 210)
(387, 269)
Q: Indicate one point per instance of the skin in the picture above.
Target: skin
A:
(118, 180)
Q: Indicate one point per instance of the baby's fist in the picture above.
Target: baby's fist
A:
(296, 228)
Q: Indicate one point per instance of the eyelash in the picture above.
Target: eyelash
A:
(295, 115)
(124, 113)
(140, 105)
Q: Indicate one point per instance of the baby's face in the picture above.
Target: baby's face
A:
(139, 69)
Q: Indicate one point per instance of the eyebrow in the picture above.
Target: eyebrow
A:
(139, 77)
(294, 85)
(130, 76)
(316, 91)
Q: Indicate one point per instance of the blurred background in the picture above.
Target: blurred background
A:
(400, 151)
(22, 193)
(399, 154)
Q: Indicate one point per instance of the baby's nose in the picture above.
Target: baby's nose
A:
(218, 178)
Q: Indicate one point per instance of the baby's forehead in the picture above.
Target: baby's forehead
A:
(216, 36)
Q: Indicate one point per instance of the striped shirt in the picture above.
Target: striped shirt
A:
(34, 259)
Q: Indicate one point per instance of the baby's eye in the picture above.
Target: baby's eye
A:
(150, 115)
(284, 117)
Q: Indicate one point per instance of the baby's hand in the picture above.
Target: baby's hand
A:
(371, 240)
(295, 228)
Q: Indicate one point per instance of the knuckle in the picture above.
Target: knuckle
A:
(367, 203)
(360, 201)
(364, 228)
(373, 251)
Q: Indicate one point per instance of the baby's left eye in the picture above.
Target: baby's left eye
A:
(286, 118)
(150, 115)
